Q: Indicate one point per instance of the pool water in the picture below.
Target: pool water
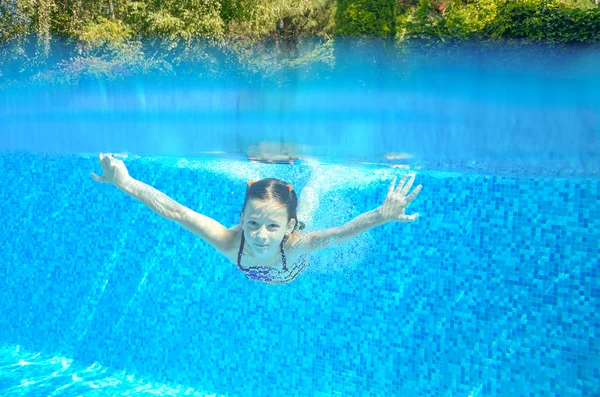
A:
(493, 291)
(489, 110)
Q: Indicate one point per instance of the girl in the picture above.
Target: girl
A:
(266, 245)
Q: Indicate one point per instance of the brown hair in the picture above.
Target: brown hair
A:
(274, 189)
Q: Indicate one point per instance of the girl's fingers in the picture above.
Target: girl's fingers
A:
(98, 178)
(408, 185)
(399, 188)
(412, 196)
(409, 218)
(391, 188)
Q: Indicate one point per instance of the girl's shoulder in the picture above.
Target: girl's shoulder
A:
(234, 246)
(237, 228)
(293, 247)
(294, 240)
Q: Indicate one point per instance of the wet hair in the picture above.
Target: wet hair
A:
(275, 189)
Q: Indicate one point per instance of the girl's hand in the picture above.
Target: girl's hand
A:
(397, 200)
(114, 170)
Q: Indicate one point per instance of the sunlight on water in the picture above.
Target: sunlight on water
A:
(23, 373)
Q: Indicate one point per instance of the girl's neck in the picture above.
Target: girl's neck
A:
(254, 260)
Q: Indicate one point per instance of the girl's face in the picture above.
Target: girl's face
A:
(265, 224)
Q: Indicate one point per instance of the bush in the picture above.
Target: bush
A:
(549, 21)
(469, 21)
(372, 18)
(545, 20)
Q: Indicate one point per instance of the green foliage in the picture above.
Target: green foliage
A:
(583, 4)
(120, 37)
(251, 20)
(317, 20)
(108, 51)
(105, 34)
(424, 22)
(187, 20)
(550, 21)
(15, 20)
(547, 21)
(469, 21)
(372, 18)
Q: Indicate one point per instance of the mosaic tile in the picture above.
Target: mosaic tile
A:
(493, 291)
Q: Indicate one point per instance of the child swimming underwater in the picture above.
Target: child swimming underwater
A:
(266, 245)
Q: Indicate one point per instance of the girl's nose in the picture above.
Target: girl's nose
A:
(261, 232)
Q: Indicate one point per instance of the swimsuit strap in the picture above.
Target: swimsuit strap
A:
(283, 255)
(239, 259)
(240, 251)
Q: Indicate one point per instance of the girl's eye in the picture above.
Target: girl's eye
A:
(273, 225)
(252, 223)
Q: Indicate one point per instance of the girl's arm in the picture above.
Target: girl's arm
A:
(392, 210)
(211, 231)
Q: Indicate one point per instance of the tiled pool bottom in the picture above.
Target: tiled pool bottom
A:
(493, 292)
(24, 373)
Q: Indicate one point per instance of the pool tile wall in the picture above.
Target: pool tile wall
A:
(493, 291)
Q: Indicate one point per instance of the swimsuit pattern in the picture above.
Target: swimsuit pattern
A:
(271, 275)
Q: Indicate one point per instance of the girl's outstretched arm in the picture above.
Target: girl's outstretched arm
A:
(211, 231)
(392, 210)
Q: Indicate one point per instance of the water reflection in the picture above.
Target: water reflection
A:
(23, 373)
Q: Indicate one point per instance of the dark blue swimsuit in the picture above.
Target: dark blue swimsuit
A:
(271, 275)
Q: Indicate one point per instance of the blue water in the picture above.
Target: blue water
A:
(491, 110)
(493, 291)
